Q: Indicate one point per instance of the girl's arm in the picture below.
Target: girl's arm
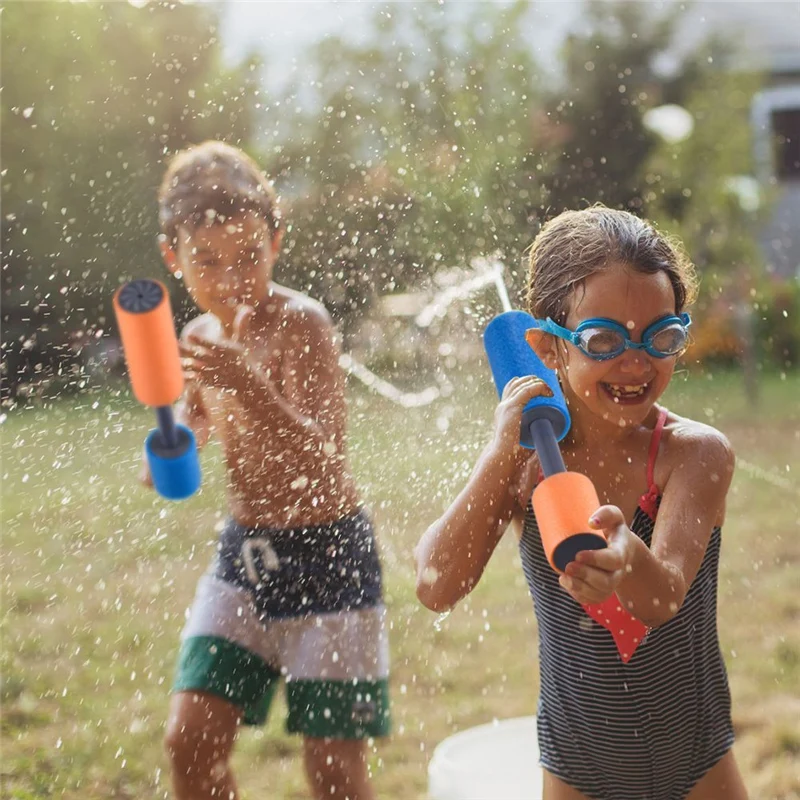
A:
(653, 582)
(453, 552)
(692, 505)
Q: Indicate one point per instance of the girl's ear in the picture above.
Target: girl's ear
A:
(168, 254)
(544, 345)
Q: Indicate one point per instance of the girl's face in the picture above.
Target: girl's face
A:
(621, 390)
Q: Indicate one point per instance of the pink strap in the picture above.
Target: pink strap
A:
(655, 441)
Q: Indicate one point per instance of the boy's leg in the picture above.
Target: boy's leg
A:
(224, 678)
(201, 729)
(337, 694)
(337, 769)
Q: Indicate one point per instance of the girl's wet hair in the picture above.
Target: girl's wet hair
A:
(209, 183)
(577, 244)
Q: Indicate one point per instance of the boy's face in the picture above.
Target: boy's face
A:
(226, 264)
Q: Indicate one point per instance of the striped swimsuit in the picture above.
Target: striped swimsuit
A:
(648, 729)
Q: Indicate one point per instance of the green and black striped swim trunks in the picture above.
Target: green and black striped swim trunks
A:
(302, 604)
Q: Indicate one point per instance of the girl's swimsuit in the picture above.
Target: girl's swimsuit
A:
(650, 728)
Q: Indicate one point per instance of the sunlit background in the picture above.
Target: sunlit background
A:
(417, 149)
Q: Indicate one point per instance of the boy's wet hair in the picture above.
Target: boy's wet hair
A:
(211, 182)
(577, 244)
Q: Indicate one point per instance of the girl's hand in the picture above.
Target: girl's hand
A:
(508, 416)
(594, 575)
(221, 364)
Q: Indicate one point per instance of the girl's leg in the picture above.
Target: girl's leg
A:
(556, 789)
(722, 780)
(337, 769)
(201, 729)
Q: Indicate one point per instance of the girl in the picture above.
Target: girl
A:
(609, 294)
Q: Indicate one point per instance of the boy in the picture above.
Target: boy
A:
(295, 588)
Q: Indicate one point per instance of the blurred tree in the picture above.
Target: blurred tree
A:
(414, 154)
(91, 105)
(432, 139)
(702, 190)
(593, 118)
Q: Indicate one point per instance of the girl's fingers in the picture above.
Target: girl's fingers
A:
(599, 580)
(608, 559)
(526, 388)
(581, 591)
(606, 518)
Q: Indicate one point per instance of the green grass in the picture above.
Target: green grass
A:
(98, 574)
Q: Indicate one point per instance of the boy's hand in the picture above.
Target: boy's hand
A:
(594, 575)
(221, 364)
(145, 478)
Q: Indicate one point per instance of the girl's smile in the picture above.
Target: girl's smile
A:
(627, 394)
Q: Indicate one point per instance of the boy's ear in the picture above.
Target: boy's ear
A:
(168, 254)
(277, 239)
(544, 345)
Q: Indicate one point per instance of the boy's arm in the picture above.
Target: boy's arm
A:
(313, 381)
(308, 411)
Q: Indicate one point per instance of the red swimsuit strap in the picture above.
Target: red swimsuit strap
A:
(655, 441)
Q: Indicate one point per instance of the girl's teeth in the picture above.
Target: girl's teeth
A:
(627, 391)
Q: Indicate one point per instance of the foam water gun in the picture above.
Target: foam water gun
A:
(563, 501)
(144, 317)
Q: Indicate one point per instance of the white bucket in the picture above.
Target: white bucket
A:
(498, 761)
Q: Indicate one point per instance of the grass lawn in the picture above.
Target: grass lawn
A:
(98, 573)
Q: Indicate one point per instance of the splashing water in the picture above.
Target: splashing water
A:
(437, 623)
(489, 271)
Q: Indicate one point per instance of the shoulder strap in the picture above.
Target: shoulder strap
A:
(655, 441)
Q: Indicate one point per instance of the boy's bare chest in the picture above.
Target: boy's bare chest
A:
(224, 407)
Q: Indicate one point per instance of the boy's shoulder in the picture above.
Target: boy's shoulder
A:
(299, 313)
(300, 305)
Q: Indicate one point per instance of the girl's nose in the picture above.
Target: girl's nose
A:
(634, 362)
